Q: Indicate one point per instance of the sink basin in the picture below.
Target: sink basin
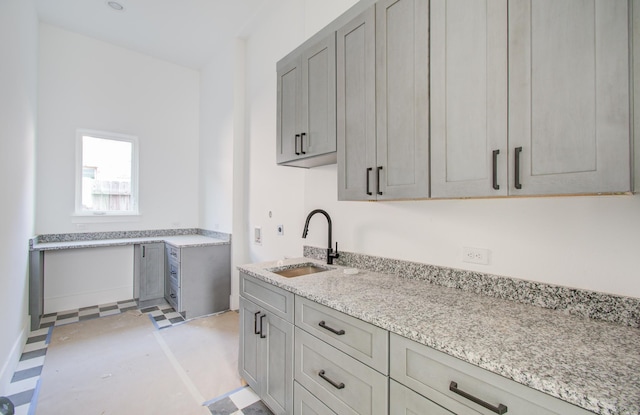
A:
(302, 269)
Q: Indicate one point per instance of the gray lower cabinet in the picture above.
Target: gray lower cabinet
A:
(265, 358)
(198, 279)
(149, 264)
(306, 107)
(383, 103)
(304, 403)
(404, 401)
(463, 388)
(529, 99)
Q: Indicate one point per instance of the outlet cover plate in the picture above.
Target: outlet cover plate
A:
(476, 255)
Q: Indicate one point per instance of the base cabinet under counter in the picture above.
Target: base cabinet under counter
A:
(463, 388)
(198, 279)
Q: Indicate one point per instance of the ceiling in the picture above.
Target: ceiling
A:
(186, 32)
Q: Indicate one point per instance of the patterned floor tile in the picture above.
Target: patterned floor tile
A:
(241, 401)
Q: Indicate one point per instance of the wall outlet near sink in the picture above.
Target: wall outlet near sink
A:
(476, 255)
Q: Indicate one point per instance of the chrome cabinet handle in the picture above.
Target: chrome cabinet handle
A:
(496, 186)
(518, 185)
(332, 330)
(500, 409)
(334, 384)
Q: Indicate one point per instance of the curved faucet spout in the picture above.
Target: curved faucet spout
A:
(330, 253)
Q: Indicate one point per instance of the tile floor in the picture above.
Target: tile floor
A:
(24, 386)
(242, 401)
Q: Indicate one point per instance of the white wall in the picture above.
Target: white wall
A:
(18, 49)
(86, 83)
(583, 242)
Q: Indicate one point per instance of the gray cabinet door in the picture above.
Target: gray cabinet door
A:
(468, 98)
(356, 107)
(152, 271)
(404, 401)
(569, 96)
(318, 98)
(287, 110)
(249, 358)
(277, 358)
(402, 96)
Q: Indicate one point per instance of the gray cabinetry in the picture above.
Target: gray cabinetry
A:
(566, 77)
(404, 401)
(149, 264)
(304, 403)
(306, 108)
(198, 279)
(461, 387)
(569, 102)
(266, 342)
(390, 160)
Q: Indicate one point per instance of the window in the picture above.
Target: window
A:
(106, 174)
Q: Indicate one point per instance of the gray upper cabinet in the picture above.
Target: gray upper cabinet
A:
(383, 103)
(306, 109)
(468, 98)
(564, 86)
(569, 107)
(356, 107)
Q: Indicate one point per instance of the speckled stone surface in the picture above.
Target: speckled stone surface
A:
(177, 237)
(590, 363)
(600, 306)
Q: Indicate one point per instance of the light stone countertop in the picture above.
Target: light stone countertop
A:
(177, 241)
(592, 364)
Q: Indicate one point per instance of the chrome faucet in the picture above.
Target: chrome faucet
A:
(331, 255)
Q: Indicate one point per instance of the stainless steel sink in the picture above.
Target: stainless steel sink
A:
(302, 269)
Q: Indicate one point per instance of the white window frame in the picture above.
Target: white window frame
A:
(134, 211)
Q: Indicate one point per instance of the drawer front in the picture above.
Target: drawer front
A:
(432, 374)
(345, 385)
(174, 297)
(363, 341)
(173, 253)
(404, 401)
(174, 272)
(267, 296)
(304, 403)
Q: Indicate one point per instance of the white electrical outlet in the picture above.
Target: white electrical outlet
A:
(475, 255)
(280, 230)
(257, 235)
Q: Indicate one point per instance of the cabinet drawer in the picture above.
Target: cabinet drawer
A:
(267, 296)
(173, 253)
(173, 271)
(363, 341)
(345, 385)
(304, 403)
(404, 401)
(431, 373)
(173, 297)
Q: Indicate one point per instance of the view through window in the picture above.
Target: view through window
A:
(108, 174)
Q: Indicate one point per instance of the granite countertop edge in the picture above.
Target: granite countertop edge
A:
(177, 241)
(601, 399)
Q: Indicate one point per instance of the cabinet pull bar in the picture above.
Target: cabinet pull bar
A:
(500, 409)
(295, 145)
(334, 384)
(369, 169)
(332, 330)
(302, 143)
(255, 323)
(518, 185)
(496, 186)
(262, 336)
(143, 251)
(378, 180)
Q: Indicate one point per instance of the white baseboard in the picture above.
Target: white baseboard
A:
(9, 365)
